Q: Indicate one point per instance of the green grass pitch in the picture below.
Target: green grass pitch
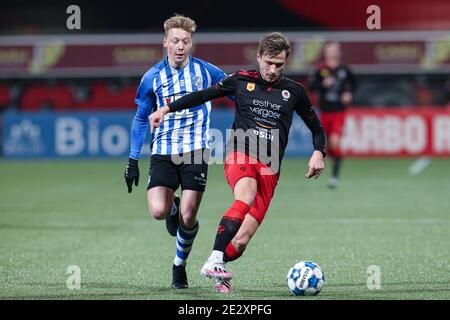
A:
(54, 214)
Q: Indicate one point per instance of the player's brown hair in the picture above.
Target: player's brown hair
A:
(181, 22)
(273, 43)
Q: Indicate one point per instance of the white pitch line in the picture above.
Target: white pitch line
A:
(398, 220)
(391, 221)
(419, 165)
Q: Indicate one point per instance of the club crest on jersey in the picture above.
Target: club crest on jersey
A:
(250, 86)
(198, 82)
(286, 94)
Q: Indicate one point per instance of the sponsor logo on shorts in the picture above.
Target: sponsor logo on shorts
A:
(200, 180)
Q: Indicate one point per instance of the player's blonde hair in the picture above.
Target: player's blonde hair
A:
(274, 43)
(181, 22)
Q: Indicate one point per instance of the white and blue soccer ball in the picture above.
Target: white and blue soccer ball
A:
(305, 278)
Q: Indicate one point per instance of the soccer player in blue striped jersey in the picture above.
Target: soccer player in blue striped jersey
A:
(182, 136)
(265, 103)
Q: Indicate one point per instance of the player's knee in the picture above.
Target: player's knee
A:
(158, 211)
(248, 200)
(188, 218)
(247, 192)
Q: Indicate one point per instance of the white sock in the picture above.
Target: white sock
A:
(179, 262)
(216, 256)
(185, 239)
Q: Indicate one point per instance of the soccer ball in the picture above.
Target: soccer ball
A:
(305, 278)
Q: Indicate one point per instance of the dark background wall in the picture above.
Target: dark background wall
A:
(148, 16)
(45, 16)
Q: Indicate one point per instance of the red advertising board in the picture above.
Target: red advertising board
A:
(397, 132)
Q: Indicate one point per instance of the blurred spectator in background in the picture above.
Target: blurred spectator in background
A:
(334, 82)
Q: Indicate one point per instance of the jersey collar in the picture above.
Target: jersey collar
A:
(270, 83)
(166, 62)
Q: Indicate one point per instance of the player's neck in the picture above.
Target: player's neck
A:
(270, 82)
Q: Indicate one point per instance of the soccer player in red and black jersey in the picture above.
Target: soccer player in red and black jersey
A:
(335, 83)
(265, 102)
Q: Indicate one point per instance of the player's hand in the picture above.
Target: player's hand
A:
(315, 165)
(132, 174)
(157, 117)
(346, 98)
(328, 82)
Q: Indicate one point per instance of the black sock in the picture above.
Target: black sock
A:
(336, 166)
(225, 233)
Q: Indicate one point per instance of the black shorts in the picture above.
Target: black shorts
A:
(190, 170)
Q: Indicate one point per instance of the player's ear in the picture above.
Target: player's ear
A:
(165, 42)
(258, 57)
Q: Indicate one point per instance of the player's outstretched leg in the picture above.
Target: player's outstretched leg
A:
(215, 267)
(173, 219)
(231, 254)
